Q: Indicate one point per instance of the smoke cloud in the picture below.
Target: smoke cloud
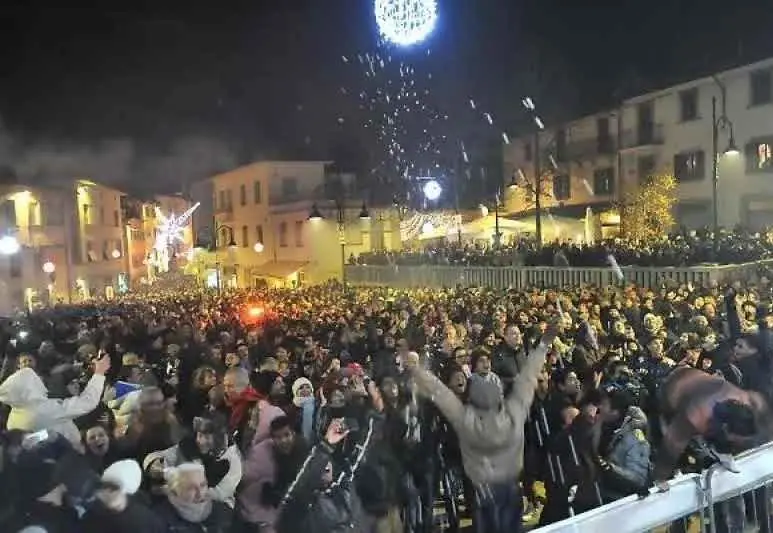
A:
(115, 162)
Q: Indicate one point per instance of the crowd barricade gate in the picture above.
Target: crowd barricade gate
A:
(519, 277)
(714, 501)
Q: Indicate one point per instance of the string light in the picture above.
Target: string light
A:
(419, 224)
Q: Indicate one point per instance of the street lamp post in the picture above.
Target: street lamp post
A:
(214, 231)
(49, 268)
(315, 215)
(718, 123)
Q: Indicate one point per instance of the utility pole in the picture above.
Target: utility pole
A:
(714, 177)
(537, 190)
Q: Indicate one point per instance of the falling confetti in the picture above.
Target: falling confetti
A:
(615, 267)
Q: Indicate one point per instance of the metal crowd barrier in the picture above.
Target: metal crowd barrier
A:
(715, 501)
(516, 277)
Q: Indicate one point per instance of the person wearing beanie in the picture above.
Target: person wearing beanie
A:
(116, 509)
(491, 434)
(304, 408)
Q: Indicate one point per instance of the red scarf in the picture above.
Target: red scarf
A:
(240, 405)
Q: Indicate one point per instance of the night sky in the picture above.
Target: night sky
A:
(168, 91)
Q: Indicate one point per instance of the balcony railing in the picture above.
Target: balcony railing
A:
(643, 136)
(225, 214)
(589, 148)
(404, 276)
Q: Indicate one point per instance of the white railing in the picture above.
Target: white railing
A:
(687, 496)
(517, 277)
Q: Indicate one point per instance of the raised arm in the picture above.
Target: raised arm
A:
(521, 396)
(429, 386)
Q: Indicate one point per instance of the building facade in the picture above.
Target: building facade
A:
(38, 270)
(263, 232)
(99, 255)
(69, 243)
(594, 161)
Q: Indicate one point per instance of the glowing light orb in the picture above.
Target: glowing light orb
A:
(116, 253)
(258, 247)
(49, 267)
(406, 22)
(9, 245)
(427, 228)
(432, 190)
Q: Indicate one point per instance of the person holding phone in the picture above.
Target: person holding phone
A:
(315, 502)
(32, 410)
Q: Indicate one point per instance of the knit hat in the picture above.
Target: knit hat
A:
(484, 394)
(125, 475)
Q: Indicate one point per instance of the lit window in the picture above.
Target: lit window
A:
(764, 155)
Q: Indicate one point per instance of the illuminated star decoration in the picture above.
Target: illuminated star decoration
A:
(406, 22)
(169, 232)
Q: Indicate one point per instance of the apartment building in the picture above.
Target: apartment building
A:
(593, 161)
(262, 227)
(99, 255)
(36, 270)
(67, 243)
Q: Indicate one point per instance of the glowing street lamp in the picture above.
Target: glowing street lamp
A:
(9, 245)
(315, 215)
(432, 190)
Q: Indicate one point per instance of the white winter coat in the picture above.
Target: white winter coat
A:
(32, 409)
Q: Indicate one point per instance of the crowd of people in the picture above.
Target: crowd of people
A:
(682, 249)
(330, 409)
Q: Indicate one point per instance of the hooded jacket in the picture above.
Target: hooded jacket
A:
(230, 460)
(33, 410)
(627, 467)
(491, 428)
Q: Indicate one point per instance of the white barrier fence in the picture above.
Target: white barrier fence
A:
(403, 276)
(708, 495)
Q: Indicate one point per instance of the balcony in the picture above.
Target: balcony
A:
(225, 213)
(592, 148)
(642, 137)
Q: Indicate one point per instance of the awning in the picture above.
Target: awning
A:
(278, 269)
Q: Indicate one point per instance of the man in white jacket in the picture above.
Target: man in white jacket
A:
(32, 410)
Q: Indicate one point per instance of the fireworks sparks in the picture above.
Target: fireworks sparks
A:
(397, 110)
